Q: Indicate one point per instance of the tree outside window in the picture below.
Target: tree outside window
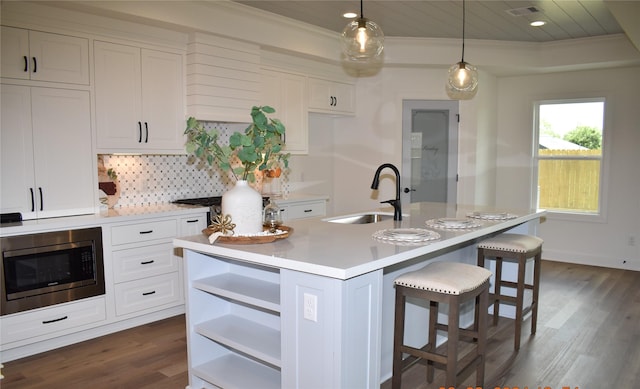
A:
(569, 155)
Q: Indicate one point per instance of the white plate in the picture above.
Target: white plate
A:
(492, 215)
(453, 224)
(406, 235)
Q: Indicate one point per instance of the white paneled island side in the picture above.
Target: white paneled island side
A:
(315, 310)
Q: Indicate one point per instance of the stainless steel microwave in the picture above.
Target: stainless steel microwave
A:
(44, 269)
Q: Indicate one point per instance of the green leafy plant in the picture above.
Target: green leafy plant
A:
(258, 148)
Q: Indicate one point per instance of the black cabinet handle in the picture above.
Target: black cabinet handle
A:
(149, 293)
(193, 221)
(407, 190)
(55, 320)
(35, 65)
(26, 63)
(146, 132)
(146, 232)
(147, 262)
(33, 201)
(335, 101)
(41, 201)
(139, 132)
(308, 210)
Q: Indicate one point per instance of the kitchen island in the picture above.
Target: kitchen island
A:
(314, 310)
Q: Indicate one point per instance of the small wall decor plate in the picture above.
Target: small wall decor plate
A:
(492, 215)
(453, 224)
(282, 232)
(406, 236)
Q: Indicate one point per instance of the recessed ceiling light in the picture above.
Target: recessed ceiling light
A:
(538, 23)
(349, 15)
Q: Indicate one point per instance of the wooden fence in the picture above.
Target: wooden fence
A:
(569, 184)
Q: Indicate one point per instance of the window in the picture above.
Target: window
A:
(570, 155)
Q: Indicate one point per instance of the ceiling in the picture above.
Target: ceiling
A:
(485, 19)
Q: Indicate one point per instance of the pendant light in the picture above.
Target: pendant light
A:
(362, 39)
(462, 83)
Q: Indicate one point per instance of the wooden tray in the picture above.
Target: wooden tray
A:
(251, 239)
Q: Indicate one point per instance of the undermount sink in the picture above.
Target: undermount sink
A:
(364, 218)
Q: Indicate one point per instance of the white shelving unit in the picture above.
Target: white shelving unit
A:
(236, 341)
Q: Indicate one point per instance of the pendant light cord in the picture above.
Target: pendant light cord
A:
(463, 23)
(361, 10)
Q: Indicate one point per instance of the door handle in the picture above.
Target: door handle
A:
(146, 132)
(407, 190)
(139, 132)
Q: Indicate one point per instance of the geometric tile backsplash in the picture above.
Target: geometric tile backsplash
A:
(152, 179)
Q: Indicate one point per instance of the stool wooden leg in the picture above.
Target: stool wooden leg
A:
(398, 339)
(497, 291)
(433, 333)
(536, 288)
(522, 266)
(481, 325)
(452, 342)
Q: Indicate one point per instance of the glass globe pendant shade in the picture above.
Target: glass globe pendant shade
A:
(362, 40)
(462, 83)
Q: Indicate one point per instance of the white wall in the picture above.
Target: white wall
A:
(603, 243)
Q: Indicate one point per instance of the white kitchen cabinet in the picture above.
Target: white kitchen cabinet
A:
(147, 274)
(46, 138)
(41, 56)
(57, 319)
(193, 225)
(301, 209)
(240, 329)
(334, 97)
(287, 93)
(139, 99)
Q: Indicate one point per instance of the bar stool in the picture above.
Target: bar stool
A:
(514, 248)
(453, 284)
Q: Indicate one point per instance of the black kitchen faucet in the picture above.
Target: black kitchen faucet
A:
(397, 209)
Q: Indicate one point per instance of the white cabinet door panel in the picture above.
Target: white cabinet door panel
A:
(64, 163)
(118, 95)
(16, 164)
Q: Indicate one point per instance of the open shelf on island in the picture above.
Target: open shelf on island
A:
(234, 371)
(248, 290)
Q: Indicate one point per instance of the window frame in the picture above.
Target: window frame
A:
(601, 215)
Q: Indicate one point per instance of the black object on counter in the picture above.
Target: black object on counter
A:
(13, 217)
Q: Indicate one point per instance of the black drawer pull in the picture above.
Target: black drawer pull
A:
(139, 132)
(146, 232)
(54, 320)
(149, 293)
(193, 221)
(33, 201)
(146, 132)
(26, 63)
(41, 200)
(308, 210)
(147, 262)
(35, 65)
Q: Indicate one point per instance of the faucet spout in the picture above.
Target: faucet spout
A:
(397, 208)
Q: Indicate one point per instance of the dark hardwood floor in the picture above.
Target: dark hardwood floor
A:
(588, 338)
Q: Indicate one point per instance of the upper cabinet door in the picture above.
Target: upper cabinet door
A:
(118, 95)
(331, 97)
(16, 166)
(287, 94)
(139, 99)
(40, 56)
(162, 100)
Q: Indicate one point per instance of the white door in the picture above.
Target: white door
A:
(429, 150)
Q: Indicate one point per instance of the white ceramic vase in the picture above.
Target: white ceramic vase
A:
(244, 205)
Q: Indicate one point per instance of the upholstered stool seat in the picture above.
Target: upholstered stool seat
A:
(453, 284)
(518, 248)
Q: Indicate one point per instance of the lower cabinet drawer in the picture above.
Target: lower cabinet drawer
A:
(304, 210)
(51, 320)
(140, 262)
(148, 293)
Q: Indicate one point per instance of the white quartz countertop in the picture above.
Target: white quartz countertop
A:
(115, 215)
(348, 250)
